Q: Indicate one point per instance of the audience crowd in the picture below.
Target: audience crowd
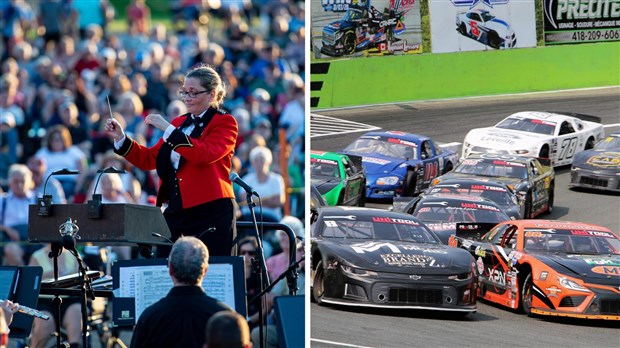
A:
(65, 69)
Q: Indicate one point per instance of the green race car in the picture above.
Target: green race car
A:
(339, 178)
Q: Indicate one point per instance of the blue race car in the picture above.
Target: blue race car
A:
(398, 163)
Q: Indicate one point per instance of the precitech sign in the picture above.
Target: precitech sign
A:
(578, 21)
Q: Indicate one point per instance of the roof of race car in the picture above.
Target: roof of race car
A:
(542, 115)
(489, 157)
(540, 223)
(416, 138)
(361, 211)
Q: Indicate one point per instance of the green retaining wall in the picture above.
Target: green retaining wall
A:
(378, 80)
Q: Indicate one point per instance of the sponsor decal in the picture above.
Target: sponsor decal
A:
(466, 243)
(478, 206)
(374, 160)
(607, 270)
(409, 260)
(600, 261)
(487, 188)
(394, 221)
(561, 226)
(496, 276)
(470, 162)
(427, 250)
(320, 160)
(480, 251)
(491, 139)
(543, 275)
(403, 142)
(395, 132)
(515, 256)
(415, 277)
(553, 291)
(336, 6)
(533, 234)
(508, 163)
(537, 121)
(374, 246)
(441, 226)
(592, 233)
(604, 160)
(576, 21)
(319, 153)
(480, 265)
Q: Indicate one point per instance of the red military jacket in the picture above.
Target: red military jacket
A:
(203, 174)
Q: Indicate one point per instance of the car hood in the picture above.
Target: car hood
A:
(598, 160)
(598, 269)
(325, 185)
(492, 137)
(398, 256)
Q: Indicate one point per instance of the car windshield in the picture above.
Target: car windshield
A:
(352, 15)
(458, 211)
(324, 168)
(609, 143)
(572, 241)
(486, 16)
(377, 228)
(389, 147)
(497, 194)
(528, 125)
(492, 168)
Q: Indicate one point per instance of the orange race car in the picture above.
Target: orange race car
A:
(546, 267)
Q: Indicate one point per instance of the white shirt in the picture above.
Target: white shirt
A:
(273, 186)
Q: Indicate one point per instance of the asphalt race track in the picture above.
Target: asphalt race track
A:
(446, 122)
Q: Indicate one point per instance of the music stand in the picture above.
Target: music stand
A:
(25, 291)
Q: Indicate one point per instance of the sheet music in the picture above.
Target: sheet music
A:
(148, 284)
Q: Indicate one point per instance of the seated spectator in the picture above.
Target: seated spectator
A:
(269, 185)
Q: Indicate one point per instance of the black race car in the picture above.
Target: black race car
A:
(598, 168)
(533, 179)
(496, 191)
(377, 258)
(442, 212)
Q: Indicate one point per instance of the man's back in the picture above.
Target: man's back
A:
(177, 320)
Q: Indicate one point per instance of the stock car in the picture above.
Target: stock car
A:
(339, 178)
(498, 192)
(531, 178)
(547, 267)
(598, 168)
(484, 27)
(377, 258)
(441, 212)
(316, 202)
(537, 134)
(398, 163)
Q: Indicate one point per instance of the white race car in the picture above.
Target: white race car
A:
(537, 134)
(484, 27)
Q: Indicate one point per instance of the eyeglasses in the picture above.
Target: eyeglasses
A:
(247, 252)
(192, 95)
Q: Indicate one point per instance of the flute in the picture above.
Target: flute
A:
(31, 311)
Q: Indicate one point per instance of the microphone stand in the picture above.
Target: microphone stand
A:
(86, 289)
(57, 301)
(259, 266)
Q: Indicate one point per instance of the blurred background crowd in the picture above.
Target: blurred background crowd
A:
(62, 60)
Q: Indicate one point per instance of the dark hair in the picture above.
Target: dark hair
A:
(227, 329)
(210, 80)
(247, 240)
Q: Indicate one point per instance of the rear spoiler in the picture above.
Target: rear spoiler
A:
(473, 230)
(582, 117)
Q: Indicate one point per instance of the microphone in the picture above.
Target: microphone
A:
(45, 203)
(155, 234)
(69, 232)
(234, 177)
(94, 205)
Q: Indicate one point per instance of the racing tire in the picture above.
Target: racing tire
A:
(462, 29)
(544, 152)
(410, 183)
(348, 42)
(318, 284)
(589, 144)
(551, 198)
(340, 199)
(362, 200)
(528, 206)
(526, 295)
(493, 40)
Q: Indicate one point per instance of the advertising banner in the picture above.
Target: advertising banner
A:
(577, 21)
(476, 25)
(353, 28)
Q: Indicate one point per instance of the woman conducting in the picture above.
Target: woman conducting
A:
(193, 160)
